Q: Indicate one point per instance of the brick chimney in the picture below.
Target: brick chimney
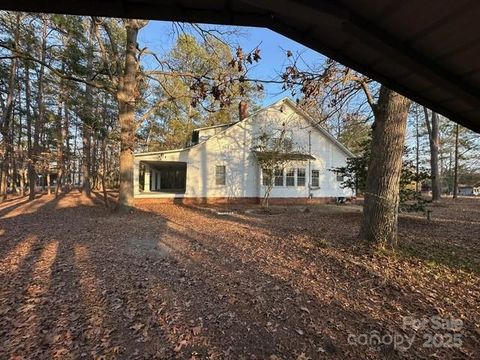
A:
(242, 110)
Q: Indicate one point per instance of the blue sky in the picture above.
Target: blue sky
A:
(159, 37)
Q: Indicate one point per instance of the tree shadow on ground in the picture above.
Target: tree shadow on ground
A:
(365, 287)
(179, 283)
(454, 244)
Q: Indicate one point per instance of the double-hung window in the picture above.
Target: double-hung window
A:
(315, 178)
(220, 175)
(278, 175)
(301, 177)
(266, 178)
(290, 177)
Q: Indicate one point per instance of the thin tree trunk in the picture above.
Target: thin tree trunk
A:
(49, 189)
(39, 118)
(21, 151)
(104, 170)
(87, 122)
(74, 162)
(434, 140)
(60, 141)
(22, 182)
(13, 162)
(67, 158)
(32, 175)
(455, 171)
(417, 154)
(450, 171)
(6, 118)
(380, 210)
(94, 160)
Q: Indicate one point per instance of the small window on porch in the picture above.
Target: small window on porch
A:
(220, 173)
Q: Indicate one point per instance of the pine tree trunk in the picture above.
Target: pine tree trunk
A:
(40, 116)
(86, 160)
(380, 210)
(60, 139)
(4, 177)
(434, 140)
(74, 158)
(67, 161)
(7, 117)
(30, 153)
(22, 182)
(32, 181)
(455, 170)
(126, 103)
(434, 146)
(49, 189)
(417, 154)
(104, 171)
(87, 124)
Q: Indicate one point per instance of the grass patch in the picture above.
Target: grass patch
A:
(437, 257)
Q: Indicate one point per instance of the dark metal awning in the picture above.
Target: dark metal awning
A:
(428, 50)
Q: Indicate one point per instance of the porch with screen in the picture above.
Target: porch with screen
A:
(163, 177)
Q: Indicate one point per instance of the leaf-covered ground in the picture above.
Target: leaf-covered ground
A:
(172, 281)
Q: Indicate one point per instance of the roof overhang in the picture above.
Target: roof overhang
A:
(426, 50)
(291, 156)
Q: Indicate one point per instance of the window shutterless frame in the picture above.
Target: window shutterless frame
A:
(220, 175)
(315, 180)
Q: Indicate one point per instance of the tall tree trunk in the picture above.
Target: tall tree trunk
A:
(87, 122)
(20, 147)
(32, 175)
(380, 210)
(67, 158)
(13, 158)
(60, 141)
(22, 182)
(126, 105)
(40, 115)
(74, 162)
(104, 171)
(417, 154)
(434, 140)
(49, 188)
(6, 118)
(94, 170)
(86, 160)
(455, 171)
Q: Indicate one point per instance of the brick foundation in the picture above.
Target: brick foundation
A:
(235, 201)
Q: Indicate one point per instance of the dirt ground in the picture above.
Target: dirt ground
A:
(173, 281)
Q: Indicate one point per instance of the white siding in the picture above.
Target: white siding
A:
(233, 149)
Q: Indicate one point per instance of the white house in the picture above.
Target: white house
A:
(468, 190)
(221, 165)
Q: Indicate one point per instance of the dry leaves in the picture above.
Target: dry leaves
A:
(181, 282)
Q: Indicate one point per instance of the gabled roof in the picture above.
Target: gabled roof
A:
(286, 100)
(292, 104)
(317, 126)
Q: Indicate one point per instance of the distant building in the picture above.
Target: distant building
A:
(468, 190)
